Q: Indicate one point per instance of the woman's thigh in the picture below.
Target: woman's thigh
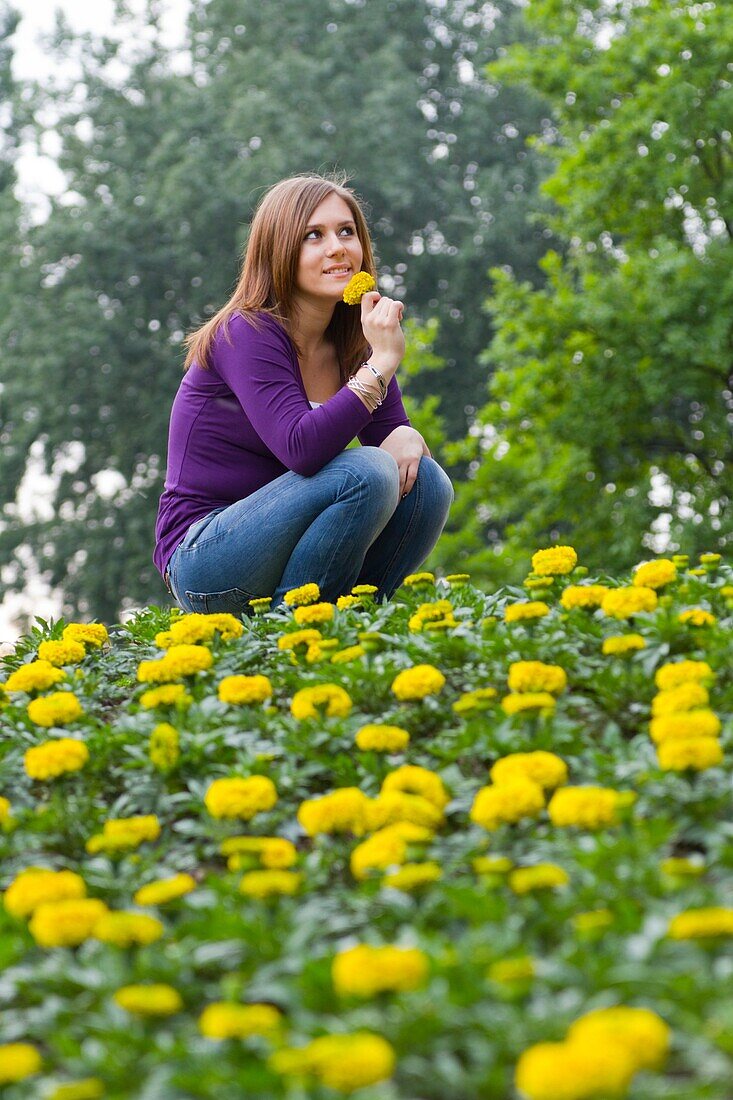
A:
(239, 553)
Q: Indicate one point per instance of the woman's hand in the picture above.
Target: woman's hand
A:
(380, 320)
(407, 447)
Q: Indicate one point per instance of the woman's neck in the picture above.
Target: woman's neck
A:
(309, 324)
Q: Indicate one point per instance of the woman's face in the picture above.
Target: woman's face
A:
(330, 252)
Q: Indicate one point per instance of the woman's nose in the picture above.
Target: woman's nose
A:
(334, 243)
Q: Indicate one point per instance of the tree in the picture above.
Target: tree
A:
(164, 169)
(609, 418)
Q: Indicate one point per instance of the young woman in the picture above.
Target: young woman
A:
(261, 494)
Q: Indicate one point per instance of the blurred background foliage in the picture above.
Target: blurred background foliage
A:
(549, 192)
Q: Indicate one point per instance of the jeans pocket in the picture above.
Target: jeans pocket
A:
(235, 601)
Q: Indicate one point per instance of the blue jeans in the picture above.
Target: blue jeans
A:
(343, 526)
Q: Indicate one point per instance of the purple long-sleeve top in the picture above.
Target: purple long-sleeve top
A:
(247, 420)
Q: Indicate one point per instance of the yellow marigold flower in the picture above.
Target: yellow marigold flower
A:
(242, 798)
(701, 572)
(156, 999)
(417, 682)
(584, 596)
(274, 852)
(66, 652)
(127, 929)
(556, 561)
(594, 920)
(365, 971)
(479, 699)
(727, 591)
(541, 876)
(86, 633)
(689, 696)
(410, 779)
(416, 580)
(36, 886)
(492, 865)
(341, 811)
(508, 971)
(166, 696)
(54, 758)
(18, 1061)
(698, 924)
(357, 286)
(343, 603)
(681, 560)
(164, 890)
(683, 672)
(194, 628)
(457, 578)
(584, 807)
(341, 1062)
(527, 609)
(298, 638)
(544, 768)
(88, 1088)
(244, 689)
(426, 612)
(312, 702)
(262, 603)
(413, 876)
(391, 807)
(58, 709)
(375, 738)
(618, 645)
(623, 603)
(696, 616)
(527, 701)
(299, 597)
(573, 1071)
(695, 754)
(639, 1031)
(164, 639)
(507, 803)
(682, 867)
(528, 676)
(314, 613)
(351, 653)
(119, 834)
(655, 574)
(66, 923)
(35, 676)
(269, 883)
(540, 585)
(5, 812)
(386, 848)
(164, 748)
(179, 661)
(233, 1021)
(710, 559)
(685, 726)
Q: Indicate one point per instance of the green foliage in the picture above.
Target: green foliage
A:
(610, 410)
(461, 1033)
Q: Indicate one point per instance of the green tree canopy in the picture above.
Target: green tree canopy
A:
(609, 420)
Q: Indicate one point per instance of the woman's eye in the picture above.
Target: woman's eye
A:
(311, 234)
(348, 230)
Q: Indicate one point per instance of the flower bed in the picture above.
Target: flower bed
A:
(456, 845)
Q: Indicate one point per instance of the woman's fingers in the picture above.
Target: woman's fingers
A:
(368, 302)
(408, 476)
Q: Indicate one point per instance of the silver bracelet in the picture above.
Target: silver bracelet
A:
(379, 377)
(370, 396)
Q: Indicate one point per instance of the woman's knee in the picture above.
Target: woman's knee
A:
(435, 483)
(377, 467)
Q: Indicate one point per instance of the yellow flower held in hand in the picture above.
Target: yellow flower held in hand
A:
(357, 286)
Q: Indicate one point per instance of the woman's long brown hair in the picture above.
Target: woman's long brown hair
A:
(267, 283)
